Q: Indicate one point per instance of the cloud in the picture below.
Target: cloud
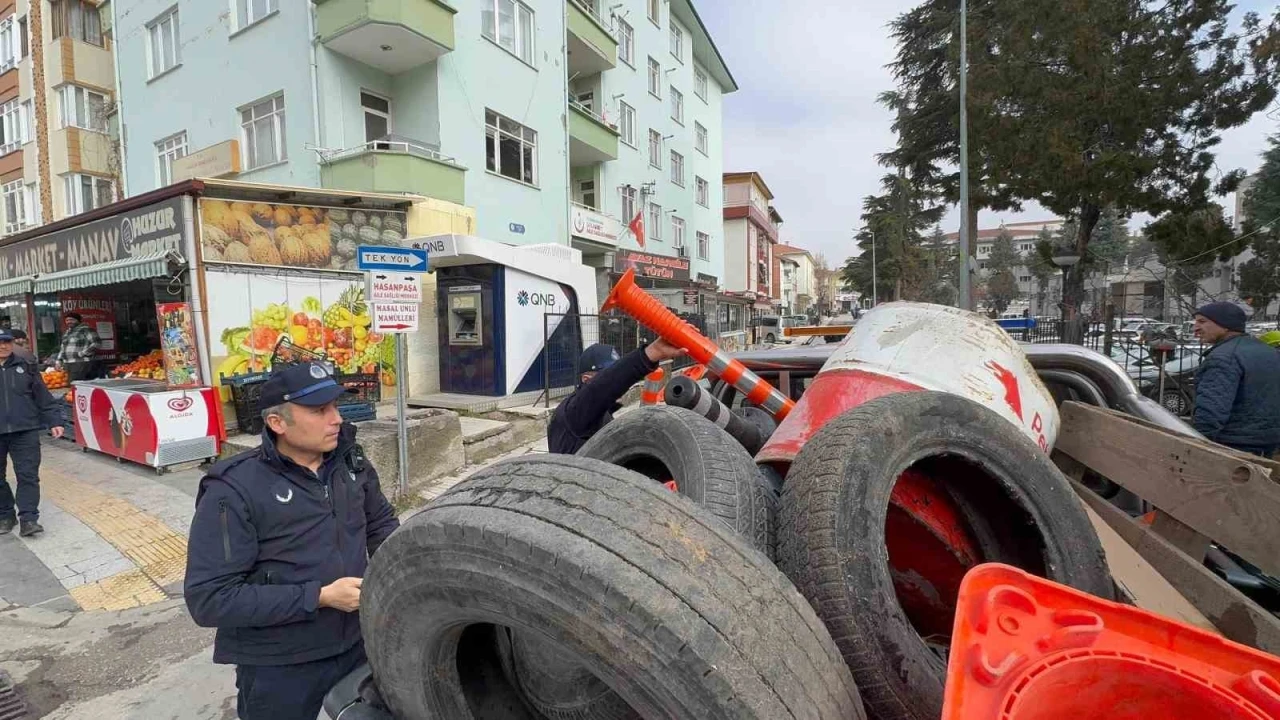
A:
(807, 119)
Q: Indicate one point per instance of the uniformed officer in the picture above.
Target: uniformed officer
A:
(25, 407)
(603, 378)
(279, 543)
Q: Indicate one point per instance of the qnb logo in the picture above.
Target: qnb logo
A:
(522, 297)
(538, 299)
(181, 404)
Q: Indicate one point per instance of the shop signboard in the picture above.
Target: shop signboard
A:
(394, 287)
(299, 236)
(148, 231)
(711, 281)
(177, 342)
(395, 318)
(592, 225)
(215, 161)
(99, 314)
(648, 265)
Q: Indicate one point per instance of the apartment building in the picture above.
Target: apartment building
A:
(1025, 235)
(751, 230)
(799, 280)
(558, 121)
(59, 154)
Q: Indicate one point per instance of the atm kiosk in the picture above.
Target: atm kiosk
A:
(497, 304)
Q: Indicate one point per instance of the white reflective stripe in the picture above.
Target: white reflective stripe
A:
(774, 403)
(711, 409)
(718, 364)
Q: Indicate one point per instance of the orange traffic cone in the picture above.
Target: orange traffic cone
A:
(1025, 648)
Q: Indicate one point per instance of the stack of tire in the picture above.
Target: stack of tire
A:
(577, 588)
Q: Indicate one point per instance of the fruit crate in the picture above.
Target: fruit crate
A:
(245, 393)
(358, 412)
(366, 388)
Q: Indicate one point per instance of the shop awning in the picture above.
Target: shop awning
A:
(16, 286)
(117, 271)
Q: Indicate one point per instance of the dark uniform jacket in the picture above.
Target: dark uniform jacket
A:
(1238, 395)
(25, 402)
(266, 536)
(592, 405)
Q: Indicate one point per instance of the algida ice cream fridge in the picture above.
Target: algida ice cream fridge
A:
(148, 422)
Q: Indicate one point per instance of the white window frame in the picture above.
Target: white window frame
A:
(700, 138)
(167, 150)
(13, 126)
(247, 13)
(677, 106)
(677, 43)
(677, 231)
(702, 190)
(655, 78)
(627, 123)
(73, 183)
(630, 197)
(76, 100)
(10, 43)
(654, 10)
(704, 246)
(28, 115)
(527, 138)
(700, 83)
(655, 148)
(366, 111)
(677, 168)
(655, 222)
(15, 206)
(275, 122)
(626, 43)
(490, 21)
(166, 26)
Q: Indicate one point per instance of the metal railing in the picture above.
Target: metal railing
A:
(574, 103)
(588, 7)
(389, 144)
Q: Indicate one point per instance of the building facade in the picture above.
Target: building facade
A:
(800, 293)
(751, 230)
(1036, 299)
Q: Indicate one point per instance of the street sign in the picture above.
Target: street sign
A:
(373, 258)
(394, 318)
(389, 287)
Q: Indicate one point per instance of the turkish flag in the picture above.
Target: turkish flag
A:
(637, 227)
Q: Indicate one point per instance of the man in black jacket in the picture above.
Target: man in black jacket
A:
(26, 407)
(1237, 384)
(603, 379)
(280, 540)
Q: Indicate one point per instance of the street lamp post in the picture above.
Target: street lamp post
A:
(1066, 259)
(965, 278)
(875, 294)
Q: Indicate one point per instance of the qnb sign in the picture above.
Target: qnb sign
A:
(536, 299)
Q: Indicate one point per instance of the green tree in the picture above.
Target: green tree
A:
(1260, 276)
(1001, 283)
(1187, 243)
(895, 220)
(1040, 263)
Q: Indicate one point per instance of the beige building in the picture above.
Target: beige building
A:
(59, 154)
(799, 280)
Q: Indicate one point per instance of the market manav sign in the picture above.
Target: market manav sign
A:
(148, 231)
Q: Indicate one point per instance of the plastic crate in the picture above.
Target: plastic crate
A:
(367, 388)
(286, 353)
(358, 412)
(245, 393)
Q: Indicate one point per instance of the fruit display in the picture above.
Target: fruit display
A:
(149, 366)
(55, 379)
(293, 235)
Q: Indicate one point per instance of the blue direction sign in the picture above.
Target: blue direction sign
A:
(391, 259)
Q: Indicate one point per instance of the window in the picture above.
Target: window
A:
(626, 43)
(27, 121)
(677, 231)
(700, 83)
(9, 44)
(162, 43)
(87, 192)
(83, 108)
(262, 133)
(677, 42)
(587, 191)
(677, 106)
(1025, 247)
(23, 40)
(655, 148)
(509, 24)
(704, 191)
(630, 196)
(655, 11)
(1024, 278)
(511, 149)
(704, 246)
(655, 222)
(78, 20)
(677, 168)
(627, 123)
(249, 12)
(377, 116)
(655, 78)
(13, 126)
(168, 150)
(19, 210)
(700, 137)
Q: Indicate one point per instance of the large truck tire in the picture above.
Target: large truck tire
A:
(667, 607)
(832, 533)
(708, 466)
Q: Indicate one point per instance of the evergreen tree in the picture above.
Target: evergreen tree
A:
(1188, 243)
(895, 220)
(1260, 276)
(1001, 284)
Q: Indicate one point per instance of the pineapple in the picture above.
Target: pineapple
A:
(352, 300)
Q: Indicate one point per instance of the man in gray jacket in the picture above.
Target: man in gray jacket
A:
(1237, 385)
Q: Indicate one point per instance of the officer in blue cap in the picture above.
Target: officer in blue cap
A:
(603, 378)
(280, 540)
(28, 408)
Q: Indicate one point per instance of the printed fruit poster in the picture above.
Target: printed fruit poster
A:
(177, 343)
(249, 313)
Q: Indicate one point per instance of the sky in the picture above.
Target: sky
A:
(806, 116)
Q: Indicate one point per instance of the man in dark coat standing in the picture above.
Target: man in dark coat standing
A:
(26, 407)
(1237, 385)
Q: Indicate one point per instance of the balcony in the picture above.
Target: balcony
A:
(390, 35)
(592, 47)
(394, 165)
(591, 139)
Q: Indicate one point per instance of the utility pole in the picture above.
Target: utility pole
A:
(965, 279)
(875, 294)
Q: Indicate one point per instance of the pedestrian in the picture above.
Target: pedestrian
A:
(1237, 384)
(280, 540)
(28, 408)
(21, 346)
(603, 378)
(79, 348)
